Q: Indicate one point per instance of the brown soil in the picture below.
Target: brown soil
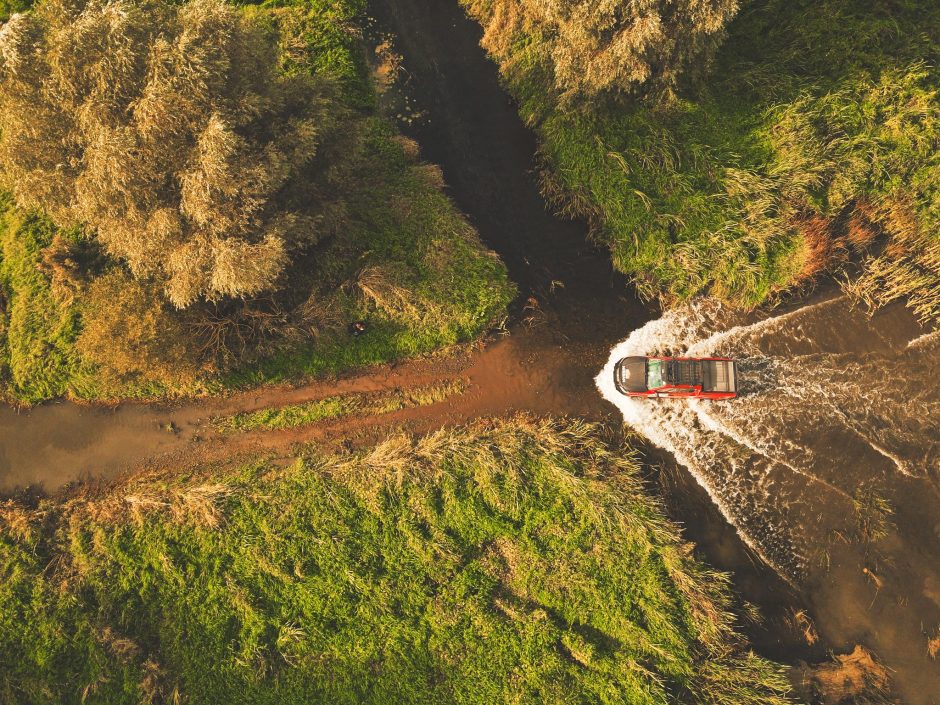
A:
(571, 310)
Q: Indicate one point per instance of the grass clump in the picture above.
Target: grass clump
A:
(507, 562)
(37, 328)
(873, 514)
(816, 116)
(342, 406)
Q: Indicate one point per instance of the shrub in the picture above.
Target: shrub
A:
(593, 47)
(170, 131)
(217, 119)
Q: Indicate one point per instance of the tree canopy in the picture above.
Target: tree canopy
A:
(610, 46)
(168, 131)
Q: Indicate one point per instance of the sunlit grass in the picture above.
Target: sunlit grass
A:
(810, 109)
(507, 562)
(343, 406)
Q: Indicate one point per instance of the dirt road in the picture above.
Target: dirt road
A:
(573, 309)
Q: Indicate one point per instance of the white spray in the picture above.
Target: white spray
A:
(780, 461)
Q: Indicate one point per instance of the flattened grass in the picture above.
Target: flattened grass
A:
(343, 406)
(515, 562)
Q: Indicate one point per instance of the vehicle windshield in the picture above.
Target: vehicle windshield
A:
(654, 374)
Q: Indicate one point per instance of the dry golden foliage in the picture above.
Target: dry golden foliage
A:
(59, 263)
(17, 521)
(603, 46)
(822, 250)
(390, 288)
(131, 336)
(804, 623)
(854, 677)
(167, 129)
(908, 268)
(933, 645)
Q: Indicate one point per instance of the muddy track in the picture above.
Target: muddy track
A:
(571, 311)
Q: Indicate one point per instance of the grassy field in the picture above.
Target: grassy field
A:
(343, 406)
(816, 131)
(404, 261)
(516, 562)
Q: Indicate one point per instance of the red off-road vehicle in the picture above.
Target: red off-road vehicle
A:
(677, 377)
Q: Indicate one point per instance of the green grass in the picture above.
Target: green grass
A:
(514, 562)
(9, 7)
(37, 329)
(404, 260)
(419, 275)
(811, 108)
(343, 406)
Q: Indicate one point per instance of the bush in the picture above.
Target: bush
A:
(137, 98)
(383, 211)
(592, 47)
(170, 131)
(131, 337)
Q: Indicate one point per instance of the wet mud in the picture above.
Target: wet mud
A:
(765, 488)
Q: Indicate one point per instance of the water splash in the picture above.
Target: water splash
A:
(830, 398)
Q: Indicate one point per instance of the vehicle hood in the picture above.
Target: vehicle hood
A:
(631, 374)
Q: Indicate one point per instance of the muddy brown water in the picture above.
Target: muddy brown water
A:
(572, 310)
(835, 406)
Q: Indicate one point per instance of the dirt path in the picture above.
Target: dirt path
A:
(528, 370)
(572, 309)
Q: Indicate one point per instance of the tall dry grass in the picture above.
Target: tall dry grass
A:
(171, 132)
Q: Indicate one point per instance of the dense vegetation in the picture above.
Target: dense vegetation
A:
(512, 562)
(813, 140)
(597, 47)
(204, 194)
(169, 131)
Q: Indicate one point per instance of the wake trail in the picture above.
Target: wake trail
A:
(825, 399)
